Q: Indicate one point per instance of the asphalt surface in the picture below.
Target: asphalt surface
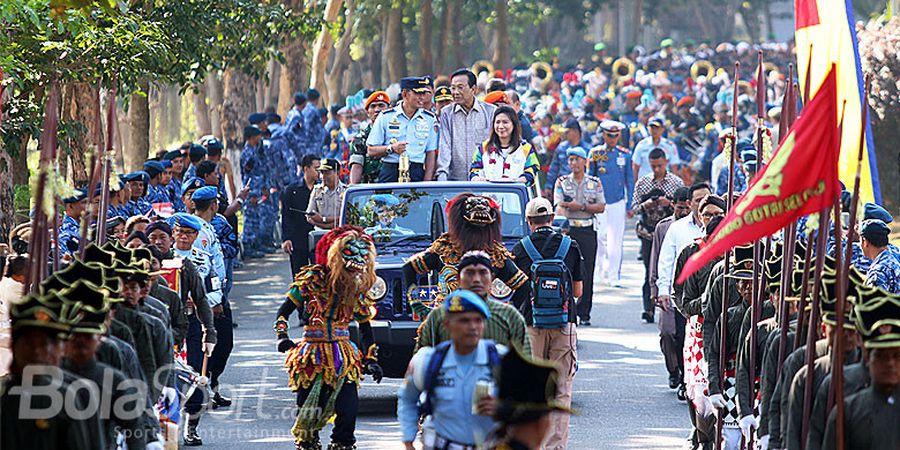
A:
(621, 388)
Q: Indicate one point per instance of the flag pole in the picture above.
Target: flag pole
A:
(39, 245)
(723, 319)
(843, 278)
(758, 254)
(790, 231)
(105, 164)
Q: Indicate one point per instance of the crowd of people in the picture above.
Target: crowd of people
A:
(597, 146)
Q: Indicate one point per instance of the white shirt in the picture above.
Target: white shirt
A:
(11, 291)
(681, 233)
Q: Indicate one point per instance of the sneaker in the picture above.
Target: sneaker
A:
(191, 438)
(681, 393)
(647, 317)
(584, 322)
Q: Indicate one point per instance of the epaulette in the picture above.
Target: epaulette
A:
(429, 112)
(592, 178)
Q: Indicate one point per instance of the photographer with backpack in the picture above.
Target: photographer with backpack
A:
(555, 269)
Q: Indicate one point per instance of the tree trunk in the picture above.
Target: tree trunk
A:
(382, 57)
(201, 111)
(138, 148)
(159, 124)
(456, 35)
(426, 58)
(123, 136)
(322, 50)
(239, 102)
(214, 102)
(7, 191)
(395, 50)
(338, 76)
(272, 86)
(501, 36)
(441, 64)
(291, 76)
(80, 101)
(173, 133)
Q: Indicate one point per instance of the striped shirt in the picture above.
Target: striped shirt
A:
(668, 185)
(505, 327)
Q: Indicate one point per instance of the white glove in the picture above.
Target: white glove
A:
(208, 348)
(717, 400)
(169, 395)
(764, 442)
(155, 445)
(748, 424)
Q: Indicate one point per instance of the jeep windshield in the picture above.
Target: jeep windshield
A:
(400, 216)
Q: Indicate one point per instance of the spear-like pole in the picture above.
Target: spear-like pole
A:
(811, 334)
(836, 396)
(106, 164)
(40, 245)
(723, 318)
(96, 158)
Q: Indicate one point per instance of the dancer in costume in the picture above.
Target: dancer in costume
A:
(325, 367)
(473, 224)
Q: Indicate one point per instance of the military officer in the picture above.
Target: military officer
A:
(885, 269)
(253, 171)
(449, 383)
(156, 192)
(363, 168)
(176, 158)
(579, 196)
(612, 164)
(137, 183)
(406, 128)
(69, 233)
(324, 210)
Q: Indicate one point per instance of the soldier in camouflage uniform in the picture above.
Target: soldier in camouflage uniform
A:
(365, 169)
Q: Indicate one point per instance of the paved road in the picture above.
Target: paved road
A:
(621, 389)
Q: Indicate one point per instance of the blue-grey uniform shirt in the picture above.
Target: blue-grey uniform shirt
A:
(885, 272)
(419, 132)
(615, 171)
(451, 416)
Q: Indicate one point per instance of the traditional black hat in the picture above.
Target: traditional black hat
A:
(878, 317)
(48, 311)
(527, 389)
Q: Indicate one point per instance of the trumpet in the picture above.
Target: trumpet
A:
(702, 68)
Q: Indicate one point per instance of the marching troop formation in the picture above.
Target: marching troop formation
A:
(135, 319)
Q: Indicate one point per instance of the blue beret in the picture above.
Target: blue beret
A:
(192, 183)
(79, 195)
(166, 164)
(256, 118)
(197, 151)
(386, 199)
(576, 151)
(873, 227)
(172, 154)
(153, 168)
(462, 300)
(745, 144)
(416, 84)
(299, 97)
(251, 130)
(214, 144)
(273, 118)
(874, 211)
(134, 176)
(187, 220)
(312, 94)
(205, 193)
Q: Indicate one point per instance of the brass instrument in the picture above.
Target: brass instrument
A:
(543, 71)
(623, 69)
(702, 68)
(483, 65)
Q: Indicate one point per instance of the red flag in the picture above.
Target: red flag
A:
(801, 178)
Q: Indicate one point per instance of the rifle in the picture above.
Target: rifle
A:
(723, 318)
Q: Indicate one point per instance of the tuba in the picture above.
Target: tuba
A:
(702, 68)
(543, 72)
(623, 70)
(483, 65)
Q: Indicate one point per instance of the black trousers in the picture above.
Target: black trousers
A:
(346, 407)
(390, 172)
(671, 342)
(646, 247)
(224, 345)
(586, 238)
(300, 255)
(194, 340)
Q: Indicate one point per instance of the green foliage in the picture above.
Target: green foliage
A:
(22, 197)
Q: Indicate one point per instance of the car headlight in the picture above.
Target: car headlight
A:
(499, 289)
(379, 289)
